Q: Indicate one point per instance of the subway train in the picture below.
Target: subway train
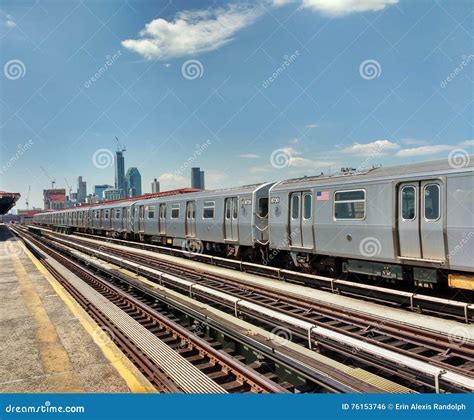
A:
(411, 223)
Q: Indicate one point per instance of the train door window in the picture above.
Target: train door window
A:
(151, 212)
(349, 205)
(263, 207)
(307, 206)
(235, 204)
(174, 211)
(432, 202)
(106, 214)
(228, 204)
(208, 209)
(295, 206)
(117, 214)
(408, 203)
(163, 210)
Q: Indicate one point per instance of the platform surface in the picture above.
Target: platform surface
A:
(44, 345)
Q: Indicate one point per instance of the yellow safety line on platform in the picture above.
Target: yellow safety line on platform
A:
(54, 358)
(135, 381)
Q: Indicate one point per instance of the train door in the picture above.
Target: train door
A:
(141, 218)
(231, 220)
(432, 222)
(191, 218)
(301, 220)
(162, 219)
(409, 220)
(420, 220)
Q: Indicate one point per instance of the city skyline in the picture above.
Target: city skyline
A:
(316, 85)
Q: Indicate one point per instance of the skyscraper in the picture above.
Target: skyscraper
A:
(155, 186)
(120, 172)
(99, 190)
(134, 182)
(197, 178)
(81, 190)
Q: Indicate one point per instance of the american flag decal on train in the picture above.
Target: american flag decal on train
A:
(322, 195)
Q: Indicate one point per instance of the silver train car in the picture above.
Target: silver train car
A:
(410, 223)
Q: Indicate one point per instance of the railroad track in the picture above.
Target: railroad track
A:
(277, 367)
(173, 358)
(424, 347)
(413, 301)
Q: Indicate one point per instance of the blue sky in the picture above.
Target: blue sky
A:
(265, 90)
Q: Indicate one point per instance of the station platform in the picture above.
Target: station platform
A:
(48, 343)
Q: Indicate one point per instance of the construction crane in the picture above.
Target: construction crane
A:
(119, 146)
(53, 181)
(27, 201)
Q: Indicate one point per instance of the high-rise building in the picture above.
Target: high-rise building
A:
(197, 178)
(99, 190)
(81, 190)
(120, 173)
(134, 182)
(112, 194)
(155, 186)
(54, 199)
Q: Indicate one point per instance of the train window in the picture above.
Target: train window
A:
(432, 202)
(263, 207)
(151, 212)
(163, 211)
(295, 207)
(235, 205)
(174, 211)
(349, 205)
(408, 203)
(106, 214)
(307, 206)
(208, 209)
(228, 203)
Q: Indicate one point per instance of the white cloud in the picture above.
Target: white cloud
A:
(375, 148)
(10, 24)
(299, 162)
(171, 181)
(192, 32)
(344, 7)
(312, 126)
(468, 143)
(249, 156)
(424, 150)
